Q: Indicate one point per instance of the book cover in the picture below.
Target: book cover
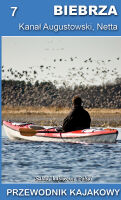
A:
(55, 55)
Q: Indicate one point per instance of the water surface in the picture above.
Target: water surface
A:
(30, 162)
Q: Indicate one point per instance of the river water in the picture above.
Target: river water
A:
(28, 162)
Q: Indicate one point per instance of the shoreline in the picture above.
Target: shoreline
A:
(53, 116)
(58, 110)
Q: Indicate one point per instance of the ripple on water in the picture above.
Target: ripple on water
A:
(27, 160)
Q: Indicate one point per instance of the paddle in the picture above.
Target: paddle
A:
(27, 132)
(32, 132)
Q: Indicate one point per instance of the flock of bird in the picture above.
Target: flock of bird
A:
(67, 71)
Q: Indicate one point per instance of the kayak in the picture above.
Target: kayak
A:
(30, 132)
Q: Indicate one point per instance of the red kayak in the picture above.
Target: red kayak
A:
(30, 132)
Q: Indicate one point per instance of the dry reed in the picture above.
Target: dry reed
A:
(47, 110)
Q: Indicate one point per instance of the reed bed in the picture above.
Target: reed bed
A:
(47, 110)
(53, 116)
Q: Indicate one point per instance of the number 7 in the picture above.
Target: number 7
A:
(14, 10)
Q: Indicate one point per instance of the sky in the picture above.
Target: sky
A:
(85, 60)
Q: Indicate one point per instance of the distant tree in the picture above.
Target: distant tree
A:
(29, 84)
(118, 80)
(36, 83)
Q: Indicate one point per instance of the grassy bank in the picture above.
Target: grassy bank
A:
(33, 110)
(48, 110)
(54, 115)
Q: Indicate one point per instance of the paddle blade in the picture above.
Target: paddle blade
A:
(27, 132)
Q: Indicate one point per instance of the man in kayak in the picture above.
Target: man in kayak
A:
(78, 118)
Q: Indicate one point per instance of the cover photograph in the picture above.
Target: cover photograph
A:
(60, 100)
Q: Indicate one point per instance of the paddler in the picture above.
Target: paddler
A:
(78, 118)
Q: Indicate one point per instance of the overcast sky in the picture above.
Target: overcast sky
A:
(24, 52)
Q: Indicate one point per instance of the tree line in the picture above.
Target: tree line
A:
(20, 93)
